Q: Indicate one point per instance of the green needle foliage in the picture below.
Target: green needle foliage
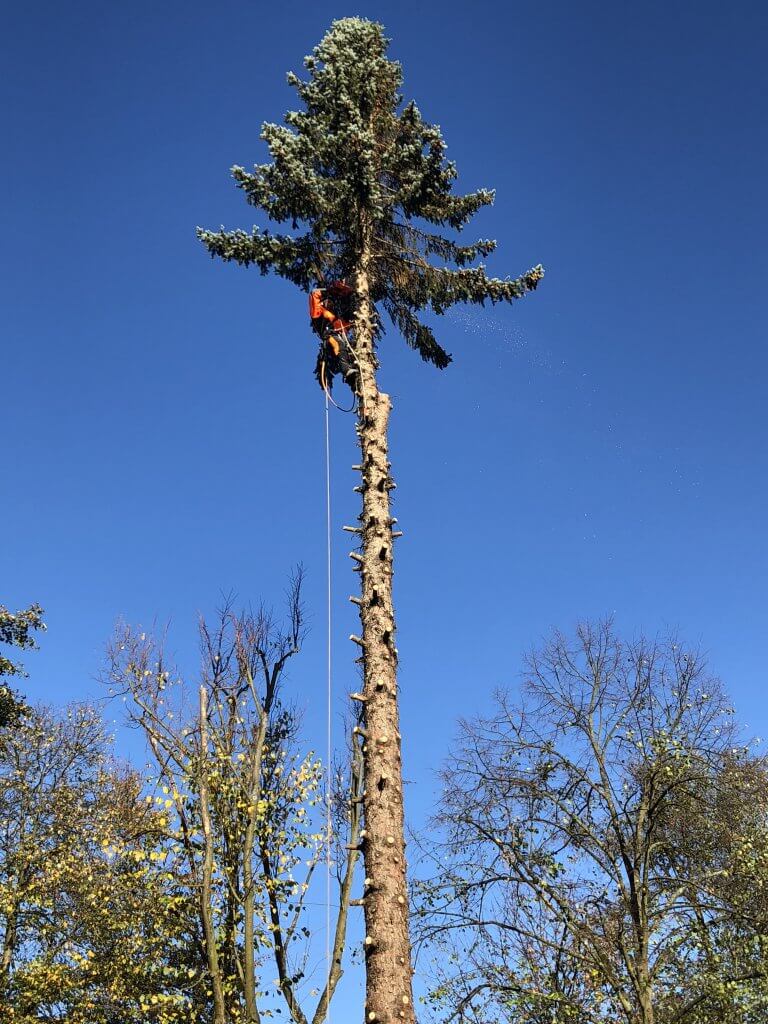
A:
(358, 174)
(16, 629)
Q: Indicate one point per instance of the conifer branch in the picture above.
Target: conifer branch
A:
(352, 149)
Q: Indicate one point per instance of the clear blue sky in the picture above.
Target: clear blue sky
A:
(600, 447)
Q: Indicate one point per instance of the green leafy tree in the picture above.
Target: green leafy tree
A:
(363, 181)
(16, 630)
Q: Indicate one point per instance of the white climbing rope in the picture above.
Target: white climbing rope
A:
(324, 383)
(329, 738)
(328, 753)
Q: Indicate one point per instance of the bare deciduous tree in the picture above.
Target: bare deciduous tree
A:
(597, 845)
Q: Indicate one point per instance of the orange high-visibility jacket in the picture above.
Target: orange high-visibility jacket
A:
(318, 309)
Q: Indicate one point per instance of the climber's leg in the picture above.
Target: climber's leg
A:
(347, 365)
(334, 345)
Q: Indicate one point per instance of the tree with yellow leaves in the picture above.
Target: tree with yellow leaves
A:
(90, 928)
(241, 808)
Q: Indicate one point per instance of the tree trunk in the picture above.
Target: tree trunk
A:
(646, 1005)
(389, 992)
(345, 890)
(9, 948)
(645, 986)
(206, 888)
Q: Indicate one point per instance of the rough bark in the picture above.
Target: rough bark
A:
(9, 948)
(249, 894)
(206, 889)
(389, 992)
(345, 890)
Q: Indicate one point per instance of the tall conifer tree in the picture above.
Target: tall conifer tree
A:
(362, 179)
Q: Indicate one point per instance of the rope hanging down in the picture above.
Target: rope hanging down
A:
(329, 682)
(324, 379)
(328, 753)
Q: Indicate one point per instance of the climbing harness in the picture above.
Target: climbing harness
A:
(324, 382)
(329, 396)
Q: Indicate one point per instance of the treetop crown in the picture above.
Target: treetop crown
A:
(360, 175)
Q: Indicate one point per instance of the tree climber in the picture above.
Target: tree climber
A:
(331, 323)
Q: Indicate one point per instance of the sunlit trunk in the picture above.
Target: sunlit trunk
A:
(389, 995)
